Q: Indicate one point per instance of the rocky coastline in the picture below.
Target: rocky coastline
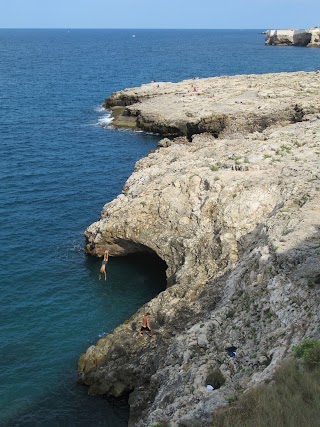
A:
(291, 37)
(230, 200)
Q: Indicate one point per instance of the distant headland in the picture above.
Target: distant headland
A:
(291, 37)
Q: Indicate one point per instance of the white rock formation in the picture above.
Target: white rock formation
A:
(291, 37)
(288, 37)
(315, 36)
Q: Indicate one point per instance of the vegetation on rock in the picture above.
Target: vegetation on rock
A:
(291, 399)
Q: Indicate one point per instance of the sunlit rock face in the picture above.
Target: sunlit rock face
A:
(221, 106)
(315, 37)
(236, 219)
(288, 37)
(310, 37)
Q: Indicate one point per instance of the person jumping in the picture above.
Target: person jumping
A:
(103, 265)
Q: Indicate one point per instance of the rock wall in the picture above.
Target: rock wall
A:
(236, 219)
(292, 37)
(315, 37)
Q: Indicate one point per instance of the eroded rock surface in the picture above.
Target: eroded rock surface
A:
(315, 37)
(219, 105)
(237, 221)
(288, 37)
(291, 37)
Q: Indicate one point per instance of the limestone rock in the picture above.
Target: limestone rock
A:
(236, 219)
(315, 37)
(290, 37)
(220, 106)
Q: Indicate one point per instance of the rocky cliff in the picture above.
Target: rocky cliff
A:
(290, 37)
(315, 37)
(232, 205)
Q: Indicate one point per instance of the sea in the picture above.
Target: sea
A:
(60, 162)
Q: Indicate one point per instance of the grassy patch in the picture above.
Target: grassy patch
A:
(292, 399)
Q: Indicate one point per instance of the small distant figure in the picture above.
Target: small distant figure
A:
(153, 81)
(103, 265)
(146, 326)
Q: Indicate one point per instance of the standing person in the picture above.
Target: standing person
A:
(103, 265)
(146, 325)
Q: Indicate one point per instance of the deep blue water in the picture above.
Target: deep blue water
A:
(58, 166)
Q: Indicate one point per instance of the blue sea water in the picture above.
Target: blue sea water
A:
(59, 165)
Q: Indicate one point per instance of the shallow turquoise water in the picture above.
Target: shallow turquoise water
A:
(58, 166)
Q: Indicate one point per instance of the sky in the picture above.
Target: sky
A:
(196, 14)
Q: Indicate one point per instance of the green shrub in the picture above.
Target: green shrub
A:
(309, 352)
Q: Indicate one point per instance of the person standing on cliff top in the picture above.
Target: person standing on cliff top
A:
(146, 326)
(103, 265)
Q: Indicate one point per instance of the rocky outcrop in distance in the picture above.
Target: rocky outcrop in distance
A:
(290, 37)
(233, 209)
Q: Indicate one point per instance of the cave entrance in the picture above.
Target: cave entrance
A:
(132, 281)
(143, 260)
(149, 271)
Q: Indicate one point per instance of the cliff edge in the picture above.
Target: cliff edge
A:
(233, 209)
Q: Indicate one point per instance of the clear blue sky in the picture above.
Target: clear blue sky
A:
(159, 14)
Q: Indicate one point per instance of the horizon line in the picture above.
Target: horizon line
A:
(120, 28)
